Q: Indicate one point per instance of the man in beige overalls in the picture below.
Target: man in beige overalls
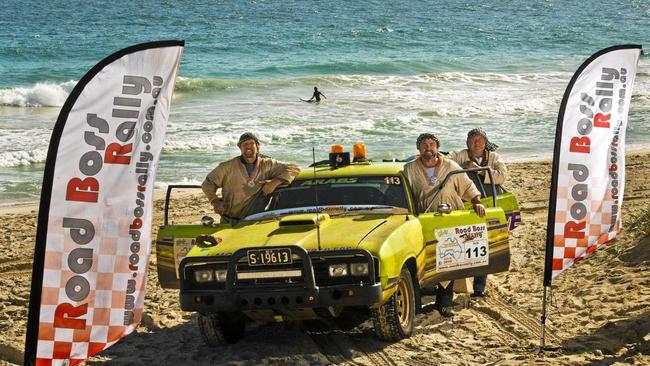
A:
(425, 175)
(243, 177)
(480, 153)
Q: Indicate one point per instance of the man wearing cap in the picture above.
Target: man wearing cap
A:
(425, 175)
(481, 152)
(243, 177)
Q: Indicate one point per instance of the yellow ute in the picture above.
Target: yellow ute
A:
(339, 242)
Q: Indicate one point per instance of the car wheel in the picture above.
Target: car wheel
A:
(394, 319)
(221, 328)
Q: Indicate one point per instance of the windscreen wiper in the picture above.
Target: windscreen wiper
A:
(371, 208)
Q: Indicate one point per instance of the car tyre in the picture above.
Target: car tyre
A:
(394, 320)
(221, 328)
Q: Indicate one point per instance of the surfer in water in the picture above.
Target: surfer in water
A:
(315, 97)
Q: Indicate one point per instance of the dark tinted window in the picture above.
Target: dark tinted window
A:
(379, 190)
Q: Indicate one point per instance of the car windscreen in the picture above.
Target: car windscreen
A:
(340, 191)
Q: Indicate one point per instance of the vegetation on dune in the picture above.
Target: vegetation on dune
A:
(639, 223)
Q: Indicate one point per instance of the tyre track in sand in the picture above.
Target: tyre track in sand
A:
(338, 348)
(10, 354)
(530, 324)
(15, 266)
(331, 349)
(493, 318)
(376, 355)
(423, 359)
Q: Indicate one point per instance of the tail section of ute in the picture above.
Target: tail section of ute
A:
(508, 202)
(173, 242)
(504, 199)
(172, 245)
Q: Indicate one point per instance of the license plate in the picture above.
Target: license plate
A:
(263, 257)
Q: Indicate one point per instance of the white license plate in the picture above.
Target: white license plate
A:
(264, 257)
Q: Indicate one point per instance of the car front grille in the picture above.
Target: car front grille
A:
(291, 274)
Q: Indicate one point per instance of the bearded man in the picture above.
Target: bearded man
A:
(425, 175)
(243, 177)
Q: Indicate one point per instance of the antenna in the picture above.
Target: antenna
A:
(313, 156)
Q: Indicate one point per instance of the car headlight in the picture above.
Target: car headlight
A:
(220, 274)
(359, 269)
(338, 270)
(204, 275)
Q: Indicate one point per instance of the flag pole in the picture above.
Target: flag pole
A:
(553, 193)
(542, 341)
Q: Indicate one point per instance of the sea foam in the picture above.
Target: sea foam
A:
(18, 158)
(38, 95)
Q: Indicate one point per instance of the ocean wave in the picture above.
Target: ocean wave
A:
(184, 180)
(198, 141)
(180, 139)
(18, 158)
(190, 85)
(47, 94)
(39, 95)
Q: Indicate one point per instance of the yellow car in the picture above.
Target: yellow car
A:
(340, 242)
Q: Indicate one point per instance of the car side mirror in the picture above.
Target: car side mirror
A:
(207, 220)
(444, 208)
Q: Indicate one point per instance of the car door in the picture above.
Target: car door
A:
(506, 200)
(174, 241)
(460, 244)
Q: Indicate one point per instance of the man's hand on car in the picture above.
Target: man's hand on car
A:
(270, 186)
(478, 206)
(218, 205)
(479, 209)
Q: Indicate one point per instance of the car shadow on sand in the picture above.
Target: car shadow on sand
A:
(262, 344)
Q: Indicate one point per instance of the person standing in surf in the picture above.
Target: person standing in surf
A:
(316, 96)
(243, 177)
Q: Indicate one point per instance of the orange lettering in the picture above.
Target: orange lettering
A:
(86, 190)
(572, 230)
(64, 312)
(137, 223)
(580, 144)
(601, 120)
(116, 154)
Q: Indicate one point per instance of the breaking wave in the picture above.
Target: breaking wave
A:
(47, 94)
(18, 158)
(38, 95)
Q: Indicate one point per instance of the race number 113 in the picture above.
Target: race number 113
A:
(476, 252)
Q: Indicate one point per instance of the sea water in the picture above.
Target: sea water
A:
(389, 70)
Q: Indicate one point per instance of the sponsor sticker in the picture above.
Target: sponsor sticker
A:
(182, 246)
(462, 247)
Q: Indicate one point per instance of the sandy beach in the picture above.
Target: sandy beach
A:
(600, 313)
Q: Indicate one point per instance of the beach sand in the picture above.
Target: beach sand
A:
(600, 313)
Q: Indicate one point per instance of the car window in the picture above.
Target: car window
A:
(340, 191)
(484, 189)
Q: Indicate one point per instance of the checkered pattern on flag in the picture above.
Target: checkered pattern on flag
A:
(93, 239)
(589, 159)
